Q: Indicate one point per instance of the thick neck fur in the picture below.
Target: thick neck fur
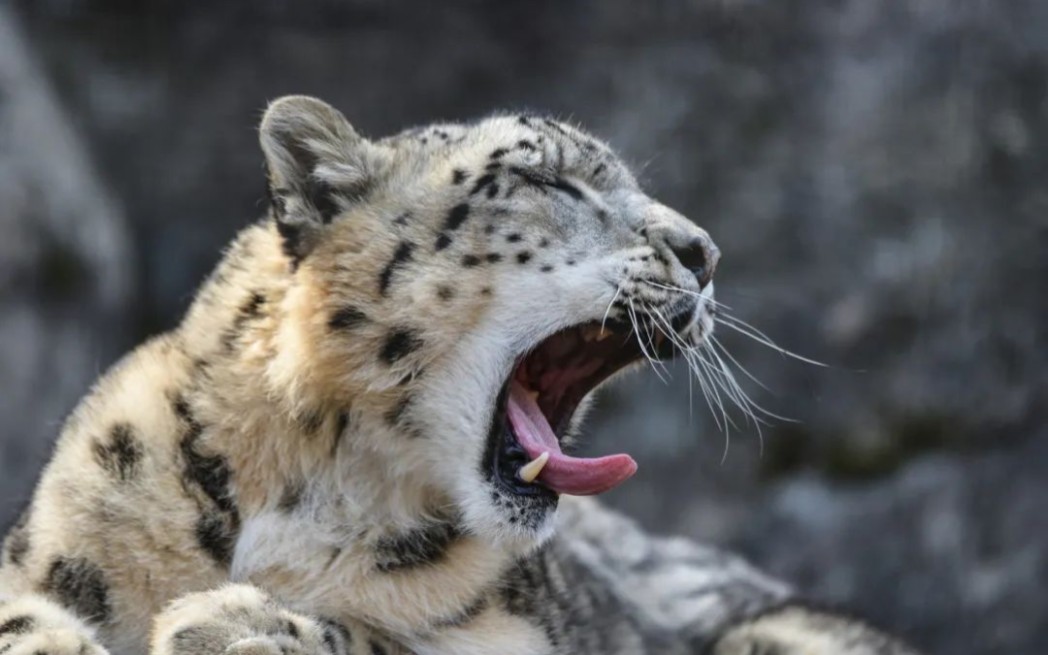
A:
(332, 495)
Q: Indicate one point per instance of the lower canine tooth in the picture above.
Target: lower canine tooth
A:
(531, 470)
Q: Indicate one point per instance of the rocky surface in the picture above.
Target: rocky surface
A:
(871, 170)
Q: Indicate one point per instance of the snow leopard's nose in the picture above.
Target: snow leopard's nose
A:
(700, 256)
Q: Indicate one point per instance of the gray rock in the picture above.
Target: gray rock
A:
(65, 269)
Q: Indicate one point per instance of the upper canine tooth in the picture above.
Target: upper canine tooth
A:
(531, 470)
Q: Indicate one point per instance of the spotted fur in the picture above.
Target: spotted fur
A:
(319, 428)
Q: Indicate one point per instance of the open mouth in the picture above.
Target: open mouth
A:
(535, 409)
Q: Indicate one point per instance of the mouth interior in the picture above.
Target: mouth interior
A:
(542, 395)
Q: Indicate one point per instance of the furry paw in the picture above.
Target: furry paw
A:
(242, 620)
(32, 625)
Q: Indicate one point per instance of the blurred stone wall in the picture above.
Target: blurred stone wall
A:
(872, 170)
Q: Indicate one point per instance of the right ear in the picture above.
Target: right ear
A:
(317, 167)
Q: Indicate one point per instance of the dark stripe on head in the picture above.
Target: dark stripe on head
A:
(399, 344)
(567, 187)
(80, 586)
(425, 546)
(346, 318)
(400, 258)
(120, 454)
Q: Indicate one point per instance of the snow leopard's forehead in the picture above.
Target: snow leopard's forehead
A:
(527, 141)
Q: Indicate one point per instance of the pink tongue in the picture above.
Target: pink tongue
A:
(578, 476)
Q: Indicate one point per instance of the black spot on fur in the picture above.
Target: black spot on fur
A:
(443, 241)
(514, 237)
(400, 257)
(458, 176)
(523, 257)
(80, 586)
(292, 629)
(337, 638)
(346, 318)
(493, 257)
(493, 190)
(219, 522)
(210, 472)
(599, 169)
(498, 153)
(249, 310)
(16, 626)
(486, 291)
(216, 537)
(291, 241)
(524, 120)
(602, 216)
(456, 217)
(402, 219)
(524, 144)
(570, 262)
(543, 242)
(445, 292)
(377, 649)
(16, 545)
(482, 183)
(546, 268)
(469, 261)
(119, 456)
(399, 344)
(489, 229)
(422, 547)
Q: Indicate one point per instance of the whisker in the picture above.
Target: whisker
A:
(607, 310)
(640, 341)
(714, 343)
(768, 343)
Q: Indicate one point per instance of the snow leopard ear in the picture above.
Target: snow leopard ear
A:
(317, 166)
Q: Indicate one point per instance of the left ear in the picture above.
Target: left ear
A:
(317, 165)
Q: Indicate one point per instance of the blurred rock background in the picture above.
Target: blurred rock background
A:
(874, 172)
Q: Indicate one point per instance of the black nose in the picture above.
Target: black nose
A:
(700, 257)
